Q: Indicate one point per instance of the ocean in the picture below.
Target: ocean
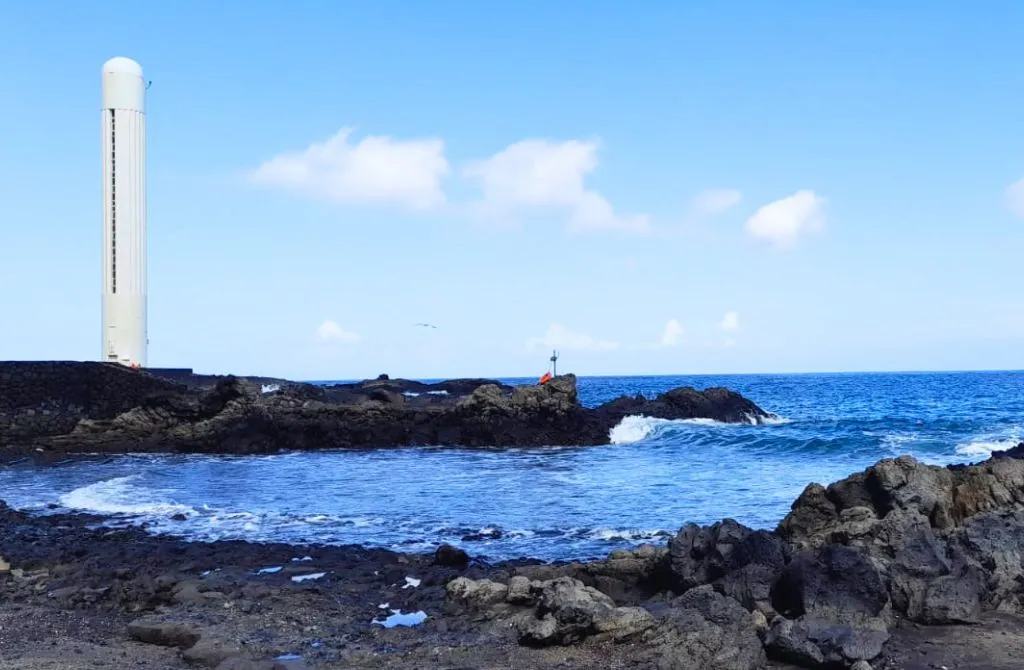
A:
(555, 502)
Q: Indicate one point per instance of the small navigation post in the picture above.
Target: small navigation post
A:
(554, 363)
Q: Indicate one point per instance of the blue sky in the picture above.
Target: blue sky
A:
(686, 188)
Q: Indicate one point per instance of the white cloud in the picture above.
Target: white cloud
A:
(1014, 198)
(331, 332)
(730, 322)
(377, 169)
(783, 221)
(715, 201)
(672, 334)
(558, 337)
(538, 175)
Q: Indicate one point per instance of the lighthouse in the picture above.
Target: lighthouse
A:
(124, 213)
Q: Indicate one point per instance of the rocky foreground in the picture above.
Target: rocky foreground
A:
(901, 566)
(49, 409)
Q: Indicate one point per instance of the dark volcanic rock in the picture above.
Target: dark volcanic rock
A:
(451, 557)
(838, 583)
(155, 630)
(686, 403)
(567, 611)
(703, 629)
(56, 408)
(947, 542)
(741, 563)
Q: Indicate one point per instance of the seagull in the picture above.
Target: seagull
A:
(425, 325)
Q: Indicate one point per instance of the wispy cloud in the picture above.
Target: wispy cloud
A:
(559, 337)
(672, 334)
(730, 322)
(376, 169)
(538, 175)
(1014, 198)
(782, 222)
(715, 201)
(329, 332)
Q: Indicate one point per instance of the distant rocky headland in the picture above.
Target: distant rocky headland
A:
(62, 407)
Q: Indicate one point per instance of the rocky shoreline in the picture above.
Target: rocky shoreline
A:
(50, 409)
(904, 565)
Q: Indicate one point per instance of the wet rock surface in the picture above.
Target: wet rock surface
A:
(49, 409)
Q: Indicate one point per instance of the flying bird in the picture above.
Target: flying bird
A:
(425, 325)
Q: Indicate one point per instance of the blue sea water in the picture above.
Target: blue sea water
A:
(555, 502)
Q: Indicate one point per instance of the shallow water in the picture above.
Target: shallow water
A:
(555, 502)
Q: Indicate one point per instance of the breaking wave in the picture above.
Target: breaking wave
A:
(636, 428)
(984, 448)
(120, 496)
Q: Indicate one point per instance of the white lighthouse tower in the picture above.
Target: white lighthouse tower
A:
(124, 213)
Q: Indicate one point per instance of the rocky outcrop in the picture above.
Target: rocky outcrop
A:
(703, 629)
(948, 542)
(901, 540)
(699, 629)
(686, 403)
(93, 407)
(39, 399)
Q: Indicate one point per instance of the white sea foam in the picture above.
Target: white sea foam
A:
(305, 578)
(411, 394)
(520, 533)
(437, 392)
(985, 446)
(617, 534)
(412, 582)
(896, 443)
(634, 429)
(120, 496)
(774, 420)
(270, 388)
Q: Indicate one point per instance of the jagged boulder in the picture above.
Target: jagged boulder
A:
(741, 563)
(476, 594)
(567, 611)
(994, 541)
(835, 605)
(718, 404)
(947, 542)
(814, 643)
(704, 629)
(838, 584)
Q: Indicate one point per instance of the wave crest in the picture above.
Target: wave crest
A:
(985, 447)
(120, 496)
(636, 428)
